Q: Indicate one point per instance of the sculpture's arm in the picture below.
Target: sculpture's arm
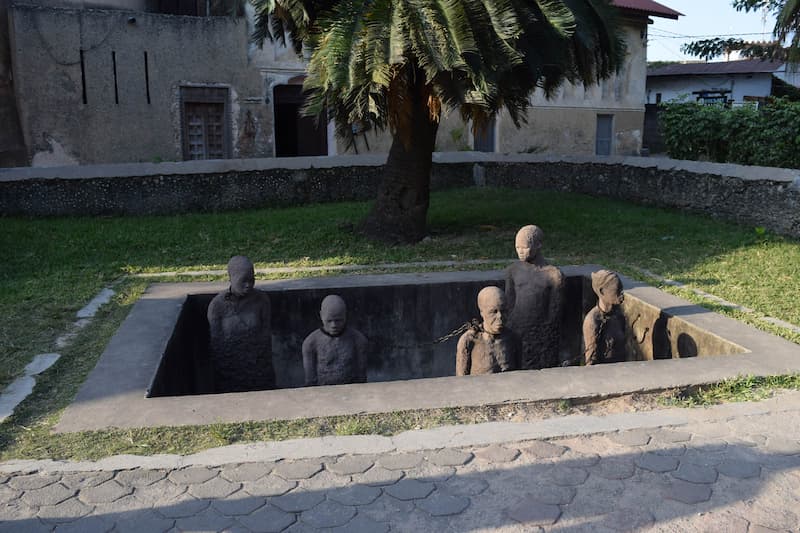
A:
(464, 354)
(362, 346)
(310, 360)
(556, 296)
(511, 295)
(590, 331)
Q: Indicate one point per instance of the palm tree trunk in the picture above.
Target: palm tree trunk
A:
(401, 208)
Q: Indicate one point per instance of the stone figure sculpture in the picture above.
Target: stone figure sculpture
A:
(240, 337)
(335, 354)
(534, 295)
(604, 326)
(493, 347)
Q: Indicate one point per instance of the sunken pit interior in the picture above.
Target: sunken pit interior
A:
(401, 322)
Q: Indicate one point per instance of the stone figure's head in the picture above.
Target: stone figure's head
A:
(608, 287)
(242, 274)
(492, 305)
(333, 313)
(528, 242)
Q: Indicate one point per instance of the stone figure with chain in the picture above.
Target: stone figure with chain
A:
(534, 291)
(491, 347)
(240, 335)
(604, 328)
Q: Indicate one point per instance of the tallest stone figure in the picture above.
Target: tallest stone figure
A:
(533, 295)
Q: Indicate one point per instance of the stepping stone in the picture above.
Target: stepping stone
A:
(239, 506)
(89, 524)
(298, 469)
(779, 446)
(216, 488)
(673, 450)
(694, 473)
(657, 463)
(497, 454)
(442, 504)
(614, 468)
(182, 508)
(328, 514)
(268, 519)
(465, 485)
(689, 493)
(628, 519)
(247, 471)
(33, 481)
(351, 464)
(551, 494)
(378, 476)
(400, 461)
(107, 492)
(409, 489)
(362, 524)
(355, 495)
(739, 469)
(207, 520)
(430, 472)
(66, 511)
(144, 520)
(139, 478)
(295, 502)
(49, 495)
(566, 476)
(635, 437)
(541, 449)
(670, 436)
(84, 480)
(268, 486)
(533, 513)
(192, 475)
(450, 457)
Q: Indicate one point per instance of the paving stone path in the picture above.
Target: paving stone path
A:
(739, 474)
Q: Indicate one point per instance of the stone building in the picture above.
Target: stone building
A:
(106, 81)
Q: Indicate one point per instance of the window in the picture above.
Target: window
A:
(204, 123)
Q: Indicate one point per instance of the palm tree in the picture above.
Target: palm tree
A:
(784, 47)
(398, 64)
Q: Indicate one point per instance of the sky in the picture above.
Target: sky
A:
(702, 19)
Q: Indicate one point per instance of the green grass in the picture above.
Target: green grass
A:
(52, 267)
(739, 389)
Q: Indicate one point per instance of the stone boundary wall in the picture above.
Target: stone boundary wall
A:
(758, 196)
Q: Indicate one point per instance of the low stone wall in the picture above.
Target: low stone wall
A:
(758, 196)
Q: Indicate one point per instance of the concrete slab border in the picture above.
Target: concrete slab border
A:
(113, 395)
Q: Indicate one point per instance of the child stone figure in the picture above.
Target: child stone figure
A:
(494, 348)
(335, 354)
(240, 338)
(604, 326)
(534, 293)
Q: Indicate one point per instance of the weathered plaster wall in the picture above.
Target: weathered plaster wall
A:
(181, 51)
(758, 196)
(12, 145)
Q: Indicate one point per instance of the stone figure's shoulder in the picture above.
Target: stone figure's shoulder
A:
(357, 335)
(592, 317)
(470, 336)
(554, 272)
(313, 339)
(218, 303)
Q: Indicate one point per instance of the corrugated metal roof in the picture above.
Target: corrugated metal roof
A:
(648, 7)
(745, 66)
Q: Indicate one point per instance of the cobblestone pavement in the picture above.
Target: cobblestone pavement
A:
(733, 474)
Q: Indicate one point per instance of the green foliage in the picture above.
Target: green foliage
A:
(738, 389)
(475, 56)
(785, 47)
(743, 135)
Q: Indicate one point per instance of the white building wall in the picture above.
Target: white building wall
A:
(740, 85)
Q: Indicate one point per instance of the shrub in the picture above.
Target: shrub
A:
(746, 135)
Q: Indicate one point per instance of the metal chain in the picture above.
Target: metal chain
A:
(471, 324)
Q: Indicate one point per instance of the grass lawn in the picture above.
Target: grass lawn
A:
(52, 267)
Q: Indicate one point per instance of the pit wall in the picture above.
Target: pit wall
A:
(401, 319)
(757, 196)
